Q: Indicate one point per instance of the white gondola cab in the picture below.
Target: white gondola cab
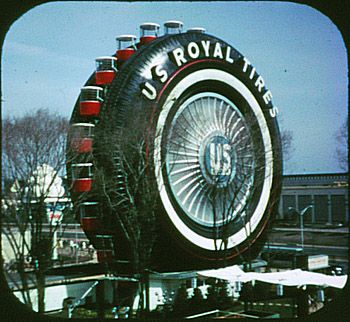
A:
(148, 32)
(90, 100)
(173, 27)
(196, 30)
(126, 48)
(106, 70)
(89, 219)
(82, 177)
(82, 137)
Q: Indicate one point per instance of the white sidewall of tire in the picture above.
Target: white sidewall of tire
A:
(241, 235)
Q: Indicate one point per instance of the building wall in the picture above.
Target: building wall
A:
(328, 193)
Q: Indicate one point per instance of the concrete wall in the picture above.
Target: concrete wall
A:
(7, 250)
(54, 295)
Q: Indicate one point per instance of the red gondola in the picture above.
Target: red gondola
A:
(148, 32)
(82, 177)
(90, 100)
(106, 70)
(126, 48)
(196, 30)
(82, 137)
(173, 27)
(89, 216)
(104, 247)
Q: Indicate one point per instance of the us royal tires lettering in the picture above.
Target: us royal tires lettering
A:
(149, 91)
(195, 50)
(159, 73)
(259, 83)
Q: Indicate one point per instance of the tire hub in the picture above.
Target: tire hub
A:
(209, 159)
(217, 160)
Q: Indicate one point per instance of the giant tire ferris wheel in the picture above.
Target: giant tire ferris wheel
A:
(211, 140)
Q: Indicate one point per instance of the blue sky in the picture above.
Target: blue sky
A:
(49, 53)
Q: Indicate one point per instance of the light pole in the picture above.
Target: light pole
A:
(301, 214)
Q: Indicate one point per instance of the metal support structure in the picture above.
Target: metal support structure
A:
(54, 256)
(280, 290)
(100, 297)
(147, 291)
(303, 304)
(320, 295)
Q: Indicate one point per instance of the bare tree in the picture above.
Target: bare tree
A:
(233, 202)
(287, 144)
(129, 190)
(125, 179)
(342, 147)
(243, 216)
(33, 158)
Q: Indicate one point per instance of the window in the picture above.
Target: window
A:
(338, 208)
(288, 201)
(321, 208)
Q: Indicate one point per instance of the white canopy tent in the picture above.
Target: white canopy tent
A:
(295, 277)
